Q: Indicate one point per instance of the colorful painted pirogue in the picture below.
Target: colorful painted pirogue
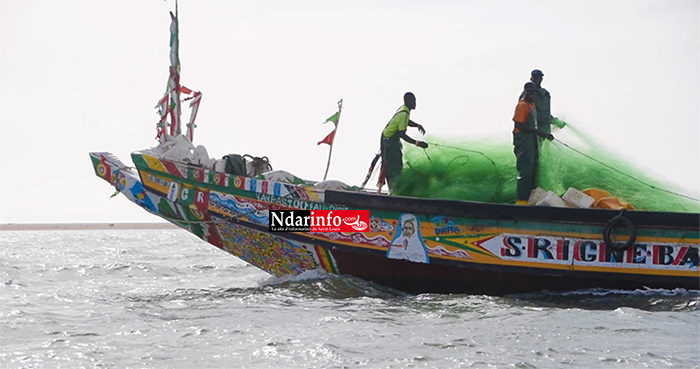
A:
(467, 247)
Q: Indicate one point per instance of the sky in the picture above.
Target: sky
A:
(83, 75)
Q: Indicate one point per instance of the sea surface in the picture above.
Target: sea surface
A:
(165, 299)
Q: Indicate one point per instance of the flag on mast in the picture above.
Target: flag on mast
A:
(335, 118)
(329, 139)
(170, 106)
(174, 80)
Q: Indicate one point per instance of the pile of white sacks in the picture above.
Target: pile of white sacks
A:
(286, 177)
(180, 149)
(573, 198)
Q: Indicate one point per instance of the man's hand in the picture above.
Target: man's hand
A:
(422, 144)
(421, 129)
(541, 133)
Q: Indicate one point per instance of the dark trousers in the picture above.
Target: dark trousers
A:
(392, 157)
(525, 148)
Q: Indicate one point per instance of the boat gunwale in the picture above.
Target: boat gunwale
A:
(472, 209)
(481, 210)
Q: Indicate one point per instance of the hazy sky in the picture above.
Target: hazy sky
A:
(84, 75)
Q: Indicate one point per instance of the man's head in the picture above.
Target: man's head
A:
(409, 99)
(537, 76)
(408, 228)
(529, 88)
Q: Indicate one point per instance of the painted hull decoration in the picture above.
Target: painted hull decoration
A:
(407, 243)
(572, 251)
(415, 245)
(469, 247)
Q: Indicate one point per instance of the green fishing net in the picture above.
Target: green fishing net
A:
(483, 169)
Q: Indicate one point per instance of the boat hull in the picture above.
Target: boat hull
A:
(477, 278)
(467, 247)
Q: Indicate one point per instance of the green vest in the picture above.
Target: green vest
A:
(399, 122)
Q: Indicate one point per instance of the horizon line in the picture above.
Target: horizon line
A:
(85, 226)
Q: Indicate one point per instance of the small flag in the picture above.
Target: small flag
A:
(333, 118)
(185, 90)
(328, 140)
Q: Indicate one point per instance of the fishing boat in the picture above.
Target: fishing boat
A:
(410, 244)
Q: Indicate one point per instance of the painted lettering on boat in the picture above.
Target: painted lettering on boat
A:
(447, 230)
(172, 191)
(158, 180)
(557, 250)
(444, 225)
(296, 203)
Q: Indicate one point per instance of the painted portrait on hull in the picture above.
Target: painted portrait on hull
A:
(408, 243)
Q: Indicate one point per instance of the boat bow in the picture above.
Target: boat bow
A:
(123, 178)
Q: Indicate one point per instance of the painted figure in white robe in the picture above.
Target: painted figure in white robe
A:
(407, 243)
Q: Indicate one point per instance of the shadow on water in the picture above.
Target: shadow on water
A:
(606, 299)
(317, 286)
(312, 285)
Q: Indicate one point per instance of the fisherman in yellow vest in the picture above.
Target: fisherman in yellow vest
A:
(525, 143)
(392, 157)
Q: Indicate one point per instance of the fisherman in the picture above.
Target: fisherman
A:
(392, 158)
(542, 102)
(525, 143)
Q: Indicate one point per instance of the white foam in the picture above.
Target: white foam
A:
(305, 276)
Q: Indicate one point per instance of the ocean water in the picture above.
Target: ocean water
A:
(165, 299)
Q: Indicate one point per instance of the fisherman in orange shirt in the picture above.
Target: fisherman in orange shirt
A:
(525, 143)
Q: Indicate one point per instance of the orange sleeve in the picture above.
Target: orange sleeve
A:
(521, 112)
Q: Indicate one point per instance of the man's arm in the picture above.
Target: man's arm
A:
(417, 125)
(524, 128)
(405, 137)
(522, 111)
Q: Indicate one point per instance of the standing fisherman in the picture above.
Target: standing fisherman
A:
(392, 157)
(525, 143)
(543, 101)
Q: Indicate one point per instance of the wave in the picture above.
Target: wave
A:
(319, 284)
(649, 299)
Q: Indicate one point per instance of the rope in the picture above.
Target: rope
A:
(427, 156)
(625, 174)
(225, 219)
(457, 157)
(260, 164)
(495, 167)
